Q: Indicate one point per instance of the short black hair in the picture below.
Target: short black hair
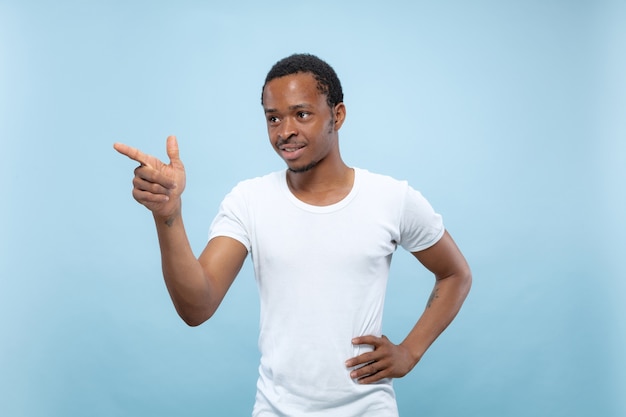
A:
(327, 81)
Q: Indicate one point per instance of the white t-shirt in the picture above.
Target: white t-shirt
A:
(322, 274)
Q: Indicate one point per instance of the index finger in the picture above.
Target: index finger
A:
(133, 153)
(366, 340)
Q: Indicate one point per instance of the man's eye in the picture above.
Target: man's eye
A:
(272, 119)
(303, 114)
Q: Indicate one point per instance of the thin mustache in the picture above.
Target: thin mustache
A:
(287, 142)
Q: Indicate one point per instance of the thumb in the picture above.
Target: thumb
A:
(172, 149)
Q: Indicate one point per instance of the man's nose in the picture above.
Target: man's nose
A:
(288, 128)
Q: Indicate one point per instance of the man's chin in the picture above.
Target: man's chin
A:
(302, 168)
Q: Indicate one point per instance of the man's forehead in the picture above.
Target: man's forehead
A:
(297, 81)
(296, 89)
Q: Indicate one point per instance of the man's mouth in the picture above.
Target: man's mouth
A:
(290, 150)
(288, 144)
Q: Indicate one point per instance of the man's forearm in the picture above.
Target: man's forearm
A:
(443, 305)
(185, 280)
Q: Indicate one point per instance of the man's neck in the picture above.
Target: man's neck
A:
(322, 185)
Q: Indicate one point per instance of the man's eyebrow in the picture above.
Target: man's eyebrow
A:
(291, 108)
(300, 106)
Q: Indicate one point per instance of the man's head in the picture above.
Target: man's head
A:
(304, 110)
(327, 81)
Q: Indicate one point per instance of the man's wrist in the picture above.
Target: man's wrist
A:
(167, 220)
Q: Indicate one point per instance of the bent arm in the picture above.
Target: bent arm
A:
(197, 286)
(453, 280)
(452, 283)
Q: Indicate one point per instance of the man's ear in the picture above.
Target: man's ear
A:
(340, 115)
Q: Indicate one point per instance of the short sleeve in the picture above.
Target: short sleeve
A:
(230, 220)
(420, 226)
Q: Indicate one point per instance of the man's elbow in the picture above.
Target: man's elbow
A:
(466, 280)
(194, 318)
(460, 279)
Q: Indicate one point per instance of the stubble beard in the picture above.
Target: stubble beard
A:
(305, 168)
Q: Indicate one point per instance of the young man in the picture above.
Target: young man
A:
(321, 236)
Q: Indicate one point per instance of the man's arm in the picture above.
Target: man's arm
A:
(452, 283)
(196, 286)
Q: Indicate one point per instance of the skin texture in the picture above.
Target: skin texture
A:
(303, 130)
(299, 119)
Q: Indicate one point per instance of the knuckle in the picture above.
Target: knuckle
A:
(155, 188)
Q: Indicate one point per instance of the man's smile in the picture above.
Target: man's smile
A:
(291, 150)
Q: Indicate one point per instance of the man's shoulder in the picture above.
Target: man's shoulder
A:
(262, 183)
(373, 179)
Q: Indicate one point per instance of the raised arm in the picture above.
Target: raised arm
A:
(196, 286)
(452, 283)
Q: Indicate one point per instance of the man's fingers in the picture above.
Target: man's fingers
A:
(367, 340)
(378, 343)
(369, 379)
(147, 178)
(133, 153)
(370, 372)
(152, 186)
(146, 197)
(147, 160)
(362, 359)
(172, 148)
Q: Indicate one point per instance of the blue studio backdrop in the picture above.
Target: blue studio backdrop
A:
(507, 115)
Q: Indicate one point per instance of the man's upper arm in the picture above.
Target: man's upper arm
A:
(221, 261)
(443, 258)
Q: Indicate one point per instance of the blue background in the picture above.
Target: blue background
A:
(508, 116)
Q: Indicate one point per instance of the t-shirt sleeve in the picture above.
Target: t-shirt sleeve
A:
(230, 220)
(420, 226)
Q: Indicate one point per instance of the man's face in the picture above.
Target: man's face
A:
(301, 126)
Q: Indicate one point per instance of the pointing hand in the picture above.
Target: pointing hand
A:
(157, 185)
